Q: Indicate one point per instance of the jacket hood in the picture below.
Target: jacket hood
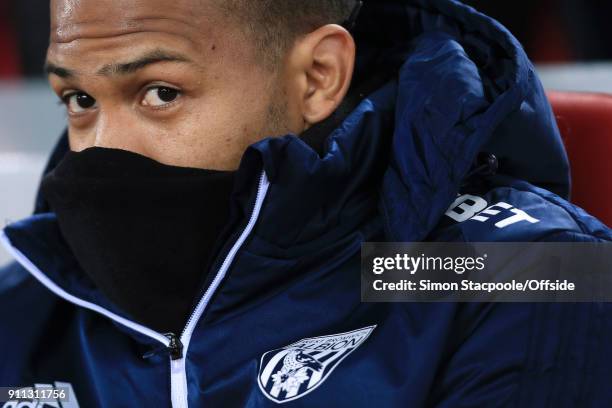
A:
(458, 84)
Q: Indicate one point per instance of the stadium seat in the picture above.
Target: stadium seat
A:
(585, 122)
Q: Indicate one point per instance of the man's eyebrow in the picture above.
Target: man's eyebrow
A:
(51, 68)
(139, 63)
(149, 58)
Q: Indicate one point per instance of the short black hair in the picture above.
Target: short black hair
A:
(275, 24)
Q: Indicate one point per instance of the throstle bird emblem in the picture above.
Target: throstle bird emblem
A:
(295, 370)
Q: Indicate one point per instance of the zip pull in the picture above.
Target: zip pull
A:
(175, 347)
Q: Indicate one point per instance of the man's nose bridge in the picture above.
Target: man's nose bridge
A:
(115, 130)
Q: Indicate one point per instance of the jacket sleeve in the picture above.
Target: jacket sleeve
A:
(529, 354)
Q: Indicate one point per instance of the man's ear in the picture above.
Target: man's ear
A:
(321, 64)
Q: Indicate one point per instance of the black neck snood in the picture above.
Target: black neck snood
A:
(142, 231)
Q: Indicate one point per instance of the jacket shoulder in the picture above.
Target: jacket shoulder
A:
(22, 298)
(518, 211)
(12, 277)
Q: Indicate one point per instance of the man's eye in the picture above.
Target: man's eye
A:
(79, 102)
(160, 96)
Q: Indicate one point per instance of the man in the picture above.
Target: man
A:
(197, 240)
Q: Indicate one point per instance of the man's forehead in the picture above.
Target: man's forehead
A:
(75, 19)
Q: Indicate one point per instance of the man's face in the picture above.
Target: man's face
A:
(172, 80)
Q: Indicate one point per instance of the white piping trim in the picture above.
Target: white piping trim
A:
(264, 184)
(53, 287)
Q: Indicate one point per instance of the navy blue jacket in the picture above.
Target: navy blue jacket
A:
(280, 320)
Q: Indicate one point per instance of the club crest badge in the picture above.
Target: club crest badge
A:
(293, 371)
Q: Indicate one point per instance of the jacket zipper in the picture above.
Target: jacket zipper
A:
(178, 378)
(177, 346)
